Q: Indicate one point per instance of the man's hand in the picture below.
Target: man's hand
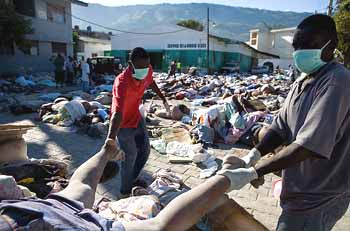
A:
(167, 107)
(114, 148)
(233, 162)
(239, 177)
(252, 158)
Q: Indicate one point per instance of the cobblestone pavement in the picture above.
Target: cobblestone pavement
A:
(48, 141)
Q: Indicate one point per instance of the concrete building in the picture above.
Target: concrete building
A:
(52, 24)
(277, 42)
(92, 43)
(188, 47)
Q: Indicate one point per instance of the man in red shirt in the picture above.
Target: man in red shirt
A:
(126, 121)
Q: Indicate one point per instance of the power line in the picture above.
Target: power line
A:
(123, 31)
(118, 30)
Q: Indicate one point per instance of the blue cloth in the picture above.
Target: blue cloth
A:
(135, 143)
(253, 86)
(321, 220)
(54, 213)
(204, 133)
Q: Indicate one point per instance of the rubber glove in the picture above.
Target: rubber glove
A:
(252, 158)
(239, 177)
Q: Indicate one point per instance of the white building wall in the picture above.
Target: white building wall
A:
(160, 42)
(282, 44)
(94, 48)
(45, 32)
(130, 41)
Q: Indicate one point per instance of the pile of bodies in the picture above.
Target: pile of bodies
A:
(90, 115)
(217, 110)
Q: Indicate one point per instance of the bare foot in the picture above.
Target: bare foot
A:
(113, 150)
(232, 162)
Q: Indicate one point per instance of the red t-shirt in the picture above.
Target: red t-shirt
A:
(127, 96)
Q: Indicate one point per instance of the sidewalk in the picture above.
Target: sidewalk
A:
(48, 141)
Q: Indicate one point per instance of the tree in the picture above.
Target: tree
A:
(13, 27)
(342, 20)
(192, 24)
(75, 42)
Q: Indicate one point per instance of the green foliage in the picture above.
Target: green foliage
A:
(13, 27)
(75, 42)
(342, 19)
(192, 24)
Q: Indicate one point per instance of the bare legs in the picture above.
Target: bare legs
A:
(83, 184)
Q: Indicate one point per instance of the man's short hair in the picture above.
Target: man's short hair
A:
(320, 24)
(138, 53)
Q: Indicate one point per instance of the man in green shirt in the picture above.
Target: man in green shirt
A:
(59, 70)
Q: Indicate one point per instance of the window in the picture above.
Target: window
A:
(33, 49)
(7, 48)
(254, 38)
(59, 48)
(254, 35)
(25, 7)
(56, 14)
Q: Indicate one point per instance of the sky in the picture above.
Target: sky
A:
(282, 5)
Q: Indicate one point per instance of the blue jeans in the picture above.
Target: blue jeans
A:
(322, 220)
(85, 86)
(135, 143)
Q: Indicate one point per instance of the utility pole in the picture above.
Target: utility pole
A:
(208, 51)
(330, 8)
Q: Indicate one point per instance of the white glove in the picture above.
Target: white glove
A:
(252, 158)
(239, 177)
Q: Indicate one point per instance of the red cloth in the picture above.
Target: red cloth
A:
(180, 96)
(127, 96)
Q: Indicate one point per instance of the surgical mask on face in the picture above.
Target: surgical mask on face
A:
(140, 74)
(309, 60)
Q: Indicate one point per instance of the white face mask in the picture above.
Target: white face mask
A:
(309, 60)
(140, 74)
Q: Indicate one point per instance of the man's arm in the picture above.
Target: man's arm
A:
(115, 122)
(270, 142)
(156, 89)
(184, 211)
(287, 157)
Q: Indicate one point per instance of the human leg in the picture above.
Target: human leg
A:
(143, 148)
(126, 139)
(85, 86)
(57, 78)
(82, 185)
(70, 78)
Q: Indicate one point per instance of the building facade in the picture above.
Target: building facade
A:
(186, 46)
(277, 42)
(92, 43)
(52, 24)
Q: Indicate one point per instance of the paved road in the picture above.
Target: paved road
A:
(48, 141)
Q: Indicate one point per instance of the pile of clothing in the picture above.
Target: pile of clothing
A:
(144, 203)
